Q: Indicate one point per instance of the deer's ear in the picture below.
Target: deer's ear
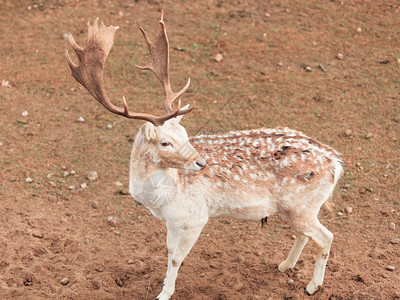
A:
(179, 118)
(149, 132)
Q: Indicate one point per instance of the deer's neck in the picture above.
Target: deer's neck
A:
(151, 185)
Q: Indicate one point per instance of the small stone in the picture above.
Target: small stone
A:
(362, 190)
(71, 187)
(308, 69)
(112, 221)
(349, 132)
(24, 113)
(28, 180)
(349, 209)
(290, 281)
(339, 56)
(109, 126)
(5, 83)
(92, 176)
(65, 36)
(395, 241)
(84, 185)
(63, 168)
(293, 237)
(268, 15)
(65, 174)
(392, 226)
(131, 262)
(50, 175)
(53, 184)
(339, 213)
(280, 64)
(240, 258)
(37, 234)
(81, 120)
(218, 57)
(346, 186)
(118, 184)
(369, 135)
(390, 268)
(64, 281)
(94, 204)
(73, 172)
(384, 275)
(1, 144)
(358, 29)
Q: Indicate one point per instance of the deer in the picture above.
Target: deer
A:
(248, 175)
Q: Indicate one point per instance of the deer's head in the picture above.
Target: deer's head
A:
(168, 146)
(167, 139)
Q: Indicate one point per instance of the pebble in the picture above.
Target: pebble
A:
(37, 234)
(384, 275)
(1, 144)
(392, 226)
(71, 187)
(293, 237)
(240, 258)
(73, 172)
(118, 184)
(65, 174)
(290, 281)
(64, 281)
(395, 241)
(308, 69)
(349, 209)
(28, 180)
(81, 120)
(63, 168)
(92, 176)
(369, 135)
(53, 184)
(131, 262)
(84, 185)
(109, 126)
(339, 56)
(112, 221)
(349, 132)
(24, 113)
(268, 15)
(218, 57)
(95, 204)
(339, 213)
(65, 36)
(390, 268)
(50, 175)
(358, 29)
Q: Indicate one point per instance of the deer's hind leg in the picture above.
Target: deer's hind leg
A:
(294, 253)
(308, 225)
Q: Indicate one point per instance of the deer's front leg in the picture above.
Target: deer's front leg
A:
(182, 240)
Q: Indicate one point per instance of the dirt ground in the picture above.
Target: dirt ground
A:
(327, 68)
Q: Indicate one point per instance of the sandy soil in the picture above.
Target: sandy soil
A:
(52, 228)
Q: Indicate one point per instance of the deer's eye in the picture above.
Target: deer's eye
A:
(165, 143)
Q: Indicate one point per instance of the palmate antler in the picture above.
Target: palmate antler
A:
(89, 72)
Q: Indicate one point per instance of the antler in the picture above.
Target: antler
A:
(89, 72)
(158, 63)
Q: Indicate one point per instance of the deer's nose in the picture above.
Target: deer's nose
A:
(201, 163)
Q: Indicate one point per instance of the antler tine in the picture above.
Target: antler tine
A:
(158, 63)
(89, 71)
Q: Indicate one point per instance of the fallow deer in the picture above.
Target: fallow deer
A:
(248, 175)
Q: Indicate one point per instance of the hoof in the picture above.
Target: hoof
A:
(310, 294)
